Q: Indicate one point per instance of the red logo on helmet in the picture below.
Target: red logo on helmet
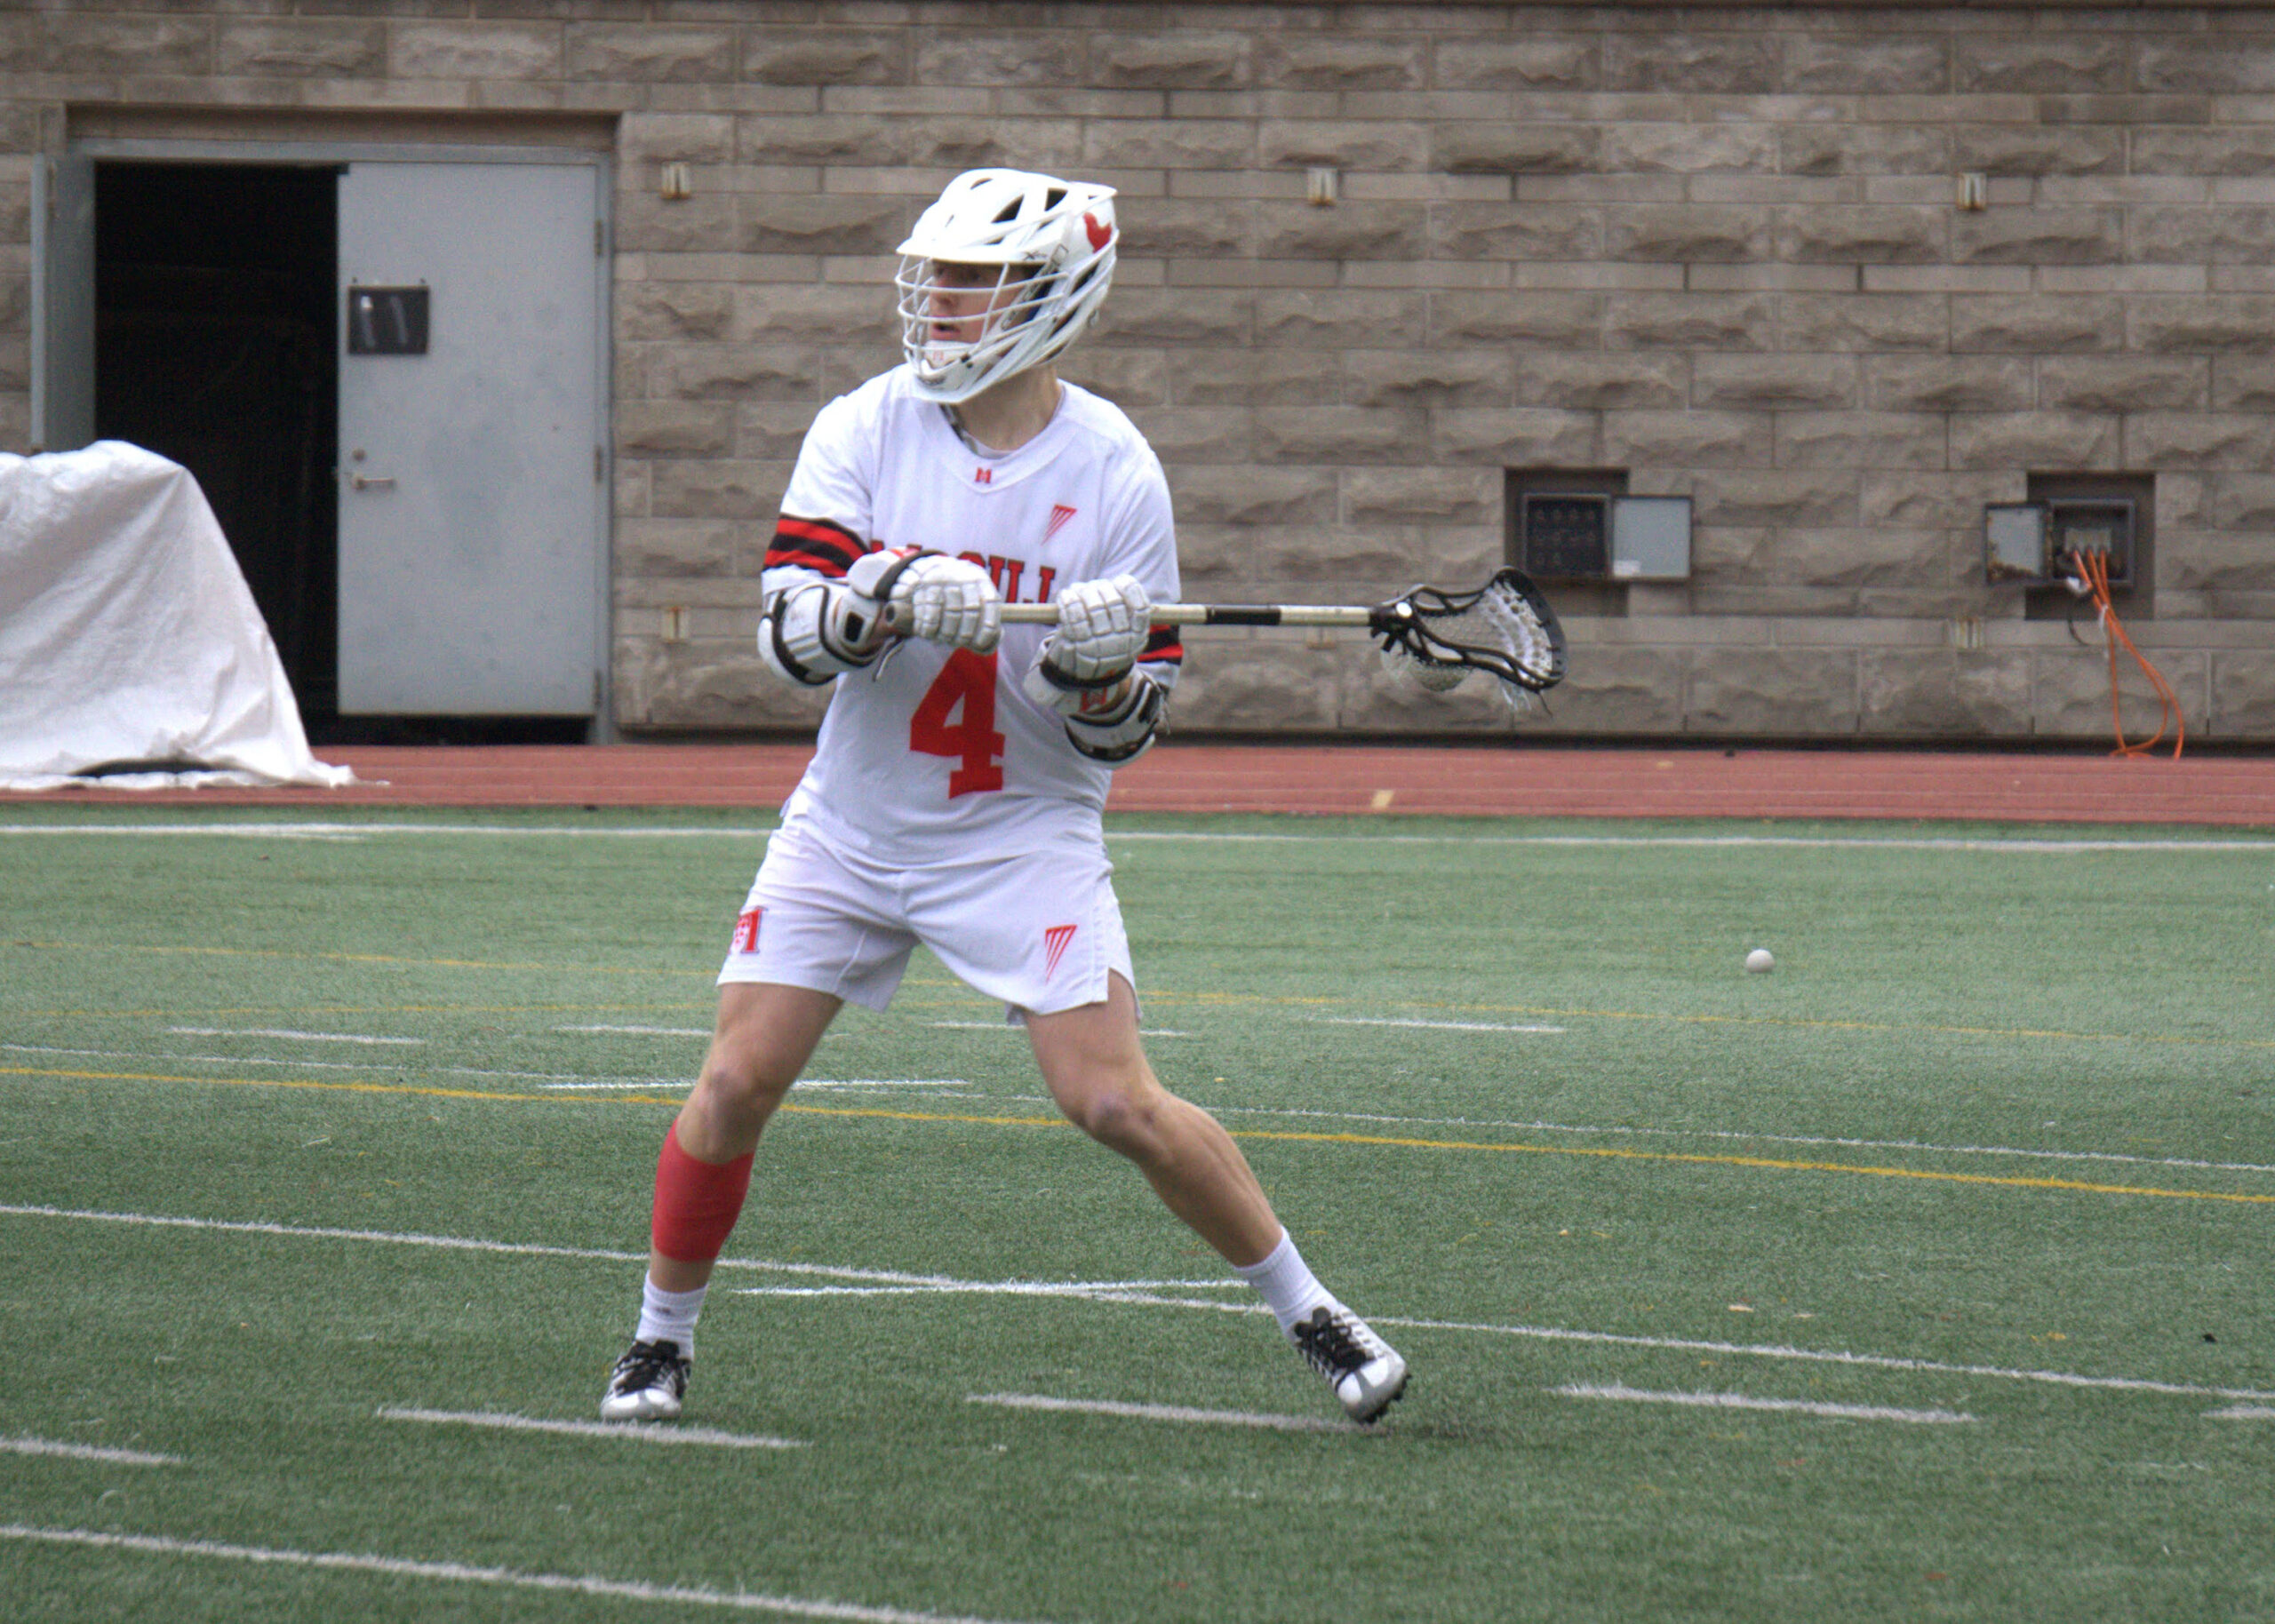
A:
(1100, 236)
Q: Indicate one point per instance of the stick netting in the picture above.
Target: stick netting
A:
(1504, 628)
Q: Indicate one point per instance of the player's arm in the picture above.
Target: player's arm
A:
(814, 625)
(1106, 668)
(1090, 669)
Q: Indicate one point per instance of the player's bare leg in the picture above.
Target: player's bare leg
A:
(761, 1040)
(1096, 1069)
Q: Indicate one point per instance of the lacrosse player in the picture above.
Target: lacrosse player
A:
(954, 799)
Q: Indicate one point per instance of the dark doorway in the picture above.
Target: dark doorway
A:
(215, 345)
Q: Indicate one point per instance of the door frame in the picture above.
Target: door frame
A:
(52, 299)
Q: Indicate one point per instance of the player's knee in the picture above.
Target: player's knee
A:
(1124, 1119)
(743, 1080)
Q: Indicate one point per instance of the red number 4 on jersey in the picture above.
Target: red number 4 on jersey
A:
(956, 718)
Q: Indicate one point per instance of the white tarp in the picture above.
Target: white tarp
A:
(128, 635)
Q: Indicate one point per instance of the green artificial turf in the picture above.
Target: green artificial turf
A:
(1998, 1126)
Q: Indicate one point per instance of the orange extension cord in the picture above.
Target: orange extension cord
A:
(2093, 571)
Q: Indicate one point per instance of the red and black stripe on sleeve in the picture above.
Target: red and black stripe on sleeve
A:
(1165, 645)
(816, 544)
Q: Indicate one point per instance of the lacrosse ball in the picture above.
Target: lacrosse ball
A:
(1759, 962)
(1437, 679)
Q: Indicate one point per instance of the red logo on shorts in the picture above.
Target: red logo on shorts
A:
(1054, 948)
(746, 931)
(1059, 513)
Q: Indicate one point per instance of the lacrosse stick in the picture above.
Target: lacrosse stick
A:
(1503, 628)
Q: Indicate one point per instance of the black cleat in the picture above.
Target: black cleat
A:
(647, 1384)
(1367, 1374)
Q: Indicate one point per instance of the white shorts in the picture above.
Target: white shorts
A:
(1040, 930)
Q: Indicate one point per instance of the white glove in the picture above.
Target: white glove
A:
(1102, 629)
(1084, 665)
(931, 595)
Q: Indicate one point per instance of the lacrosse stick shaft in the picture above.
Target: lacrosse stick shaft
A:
(1190, 615)
(1213, 615)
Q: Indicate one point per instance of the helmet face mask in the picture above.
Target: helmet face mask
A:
(1049, 244)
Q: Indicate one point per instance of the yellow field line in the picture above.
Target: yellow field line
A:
(439, 964)
(1843, 1026)
(333, 1009)
(882, 1113)
(1200, 1000)
(1777, 1164)
(424, 1090)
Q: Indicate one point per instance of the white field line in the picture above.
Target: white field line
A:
(1817, 1355)
(271, 1032)
(459, 1573)
(504, 1248)
(550, 1082)
(248, 832)
(1740, 1401)
(1147, 1299)
(2242, 1411)
(644, 1032)
(1006, 1026)
(1442, 1026)
(881, 1082)
(562, 1081)
(356, 832)
(1166, 1413)
(936, 1085)
(1820, 1140)
(565, 1080)
(2031, 847)
(611, 1086)
(84, 1451)
(1821, 842)
(1102, 1291)
(1756, 1350)
(593, 1430)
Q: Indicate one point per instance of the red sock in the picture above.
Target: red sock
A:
(697, 1203)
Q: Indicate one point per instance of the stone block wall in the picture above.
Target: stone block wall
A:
(1716, 249)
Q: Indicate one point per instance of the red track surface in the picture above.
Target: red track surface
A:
(1522, 779)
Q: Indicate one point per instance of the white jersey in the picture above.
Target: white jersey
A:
(935, 753)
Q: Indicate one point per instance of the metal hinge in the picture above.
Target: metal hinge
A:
(600, 238)
(599, 464)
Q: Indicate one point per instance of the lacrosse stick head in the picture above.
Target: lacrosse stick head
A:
(1503, 628)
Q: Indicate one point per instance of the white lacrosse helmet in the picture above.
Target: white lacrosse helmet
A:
(1054, 237)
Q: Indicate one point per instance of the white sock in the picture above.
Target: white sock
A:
(1289, 1286)
(669, 1316)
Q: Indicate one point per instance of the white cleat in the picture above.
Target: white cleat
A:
(647, 1384)
(1367, 1374)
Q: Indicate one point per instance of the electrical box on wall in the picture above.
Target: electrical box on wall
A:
(1591, 536)
(2031, 544)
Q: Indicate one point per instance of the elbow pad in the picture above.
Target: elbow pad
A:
(815, 632)
(1124, 733)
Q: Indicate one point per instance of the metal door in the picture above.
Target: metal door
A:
(473, 528)
(63, 302)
